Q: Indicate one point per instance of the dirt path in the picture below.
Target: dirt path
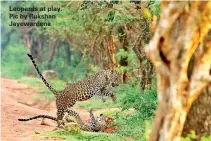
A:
(17, 102)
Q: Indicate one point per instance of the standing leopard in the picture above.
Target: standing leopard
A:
(96, 84)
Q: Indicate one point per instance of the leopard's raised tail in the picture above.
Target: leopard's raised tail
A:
(41, 76)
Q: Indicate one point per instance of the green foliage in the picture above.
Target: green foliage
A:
(144, 103)
(94, 68)
(121, 54)
(14, 62)
(132, 125)
(131, 58)
(155, 7)
(137, 112)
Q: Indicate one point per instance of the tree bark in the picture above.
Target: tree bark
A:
(180, 34)
(111, 52)
(146, 68)
(199, 116)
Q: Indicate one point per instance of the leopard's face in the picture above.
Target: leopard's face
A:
(104, 120)
(101, 120)
(114, 78)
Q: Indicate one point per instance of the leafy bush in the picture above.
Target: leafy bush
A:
(137, 112)
(132, 60)
(144, 103)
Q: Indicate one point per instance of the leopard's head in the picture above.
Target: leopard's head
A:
(101, 119)
(114, 78)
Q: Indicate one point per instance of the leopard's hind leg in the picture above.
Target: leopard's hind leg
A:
(60, 115)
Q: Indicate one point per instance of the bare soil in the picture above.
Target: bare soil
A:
(17, 101)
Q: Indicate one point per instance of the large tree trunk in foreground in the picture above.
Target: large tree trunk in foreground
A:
(180, 35)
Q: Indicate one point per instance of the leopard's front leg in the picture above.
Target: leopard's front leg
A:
(98, 92)
(108, 92)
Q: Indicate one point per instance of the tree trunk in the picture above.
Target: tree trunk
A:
(68, 52)
(180, 35)
(111, 52)
(146, 68)
(125, 45)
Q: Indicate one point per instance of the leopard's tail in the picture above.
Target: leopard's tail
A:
(39, 116)
(41, 76)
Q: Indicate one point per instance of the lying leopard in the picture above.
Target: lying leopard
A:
(96, 124)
